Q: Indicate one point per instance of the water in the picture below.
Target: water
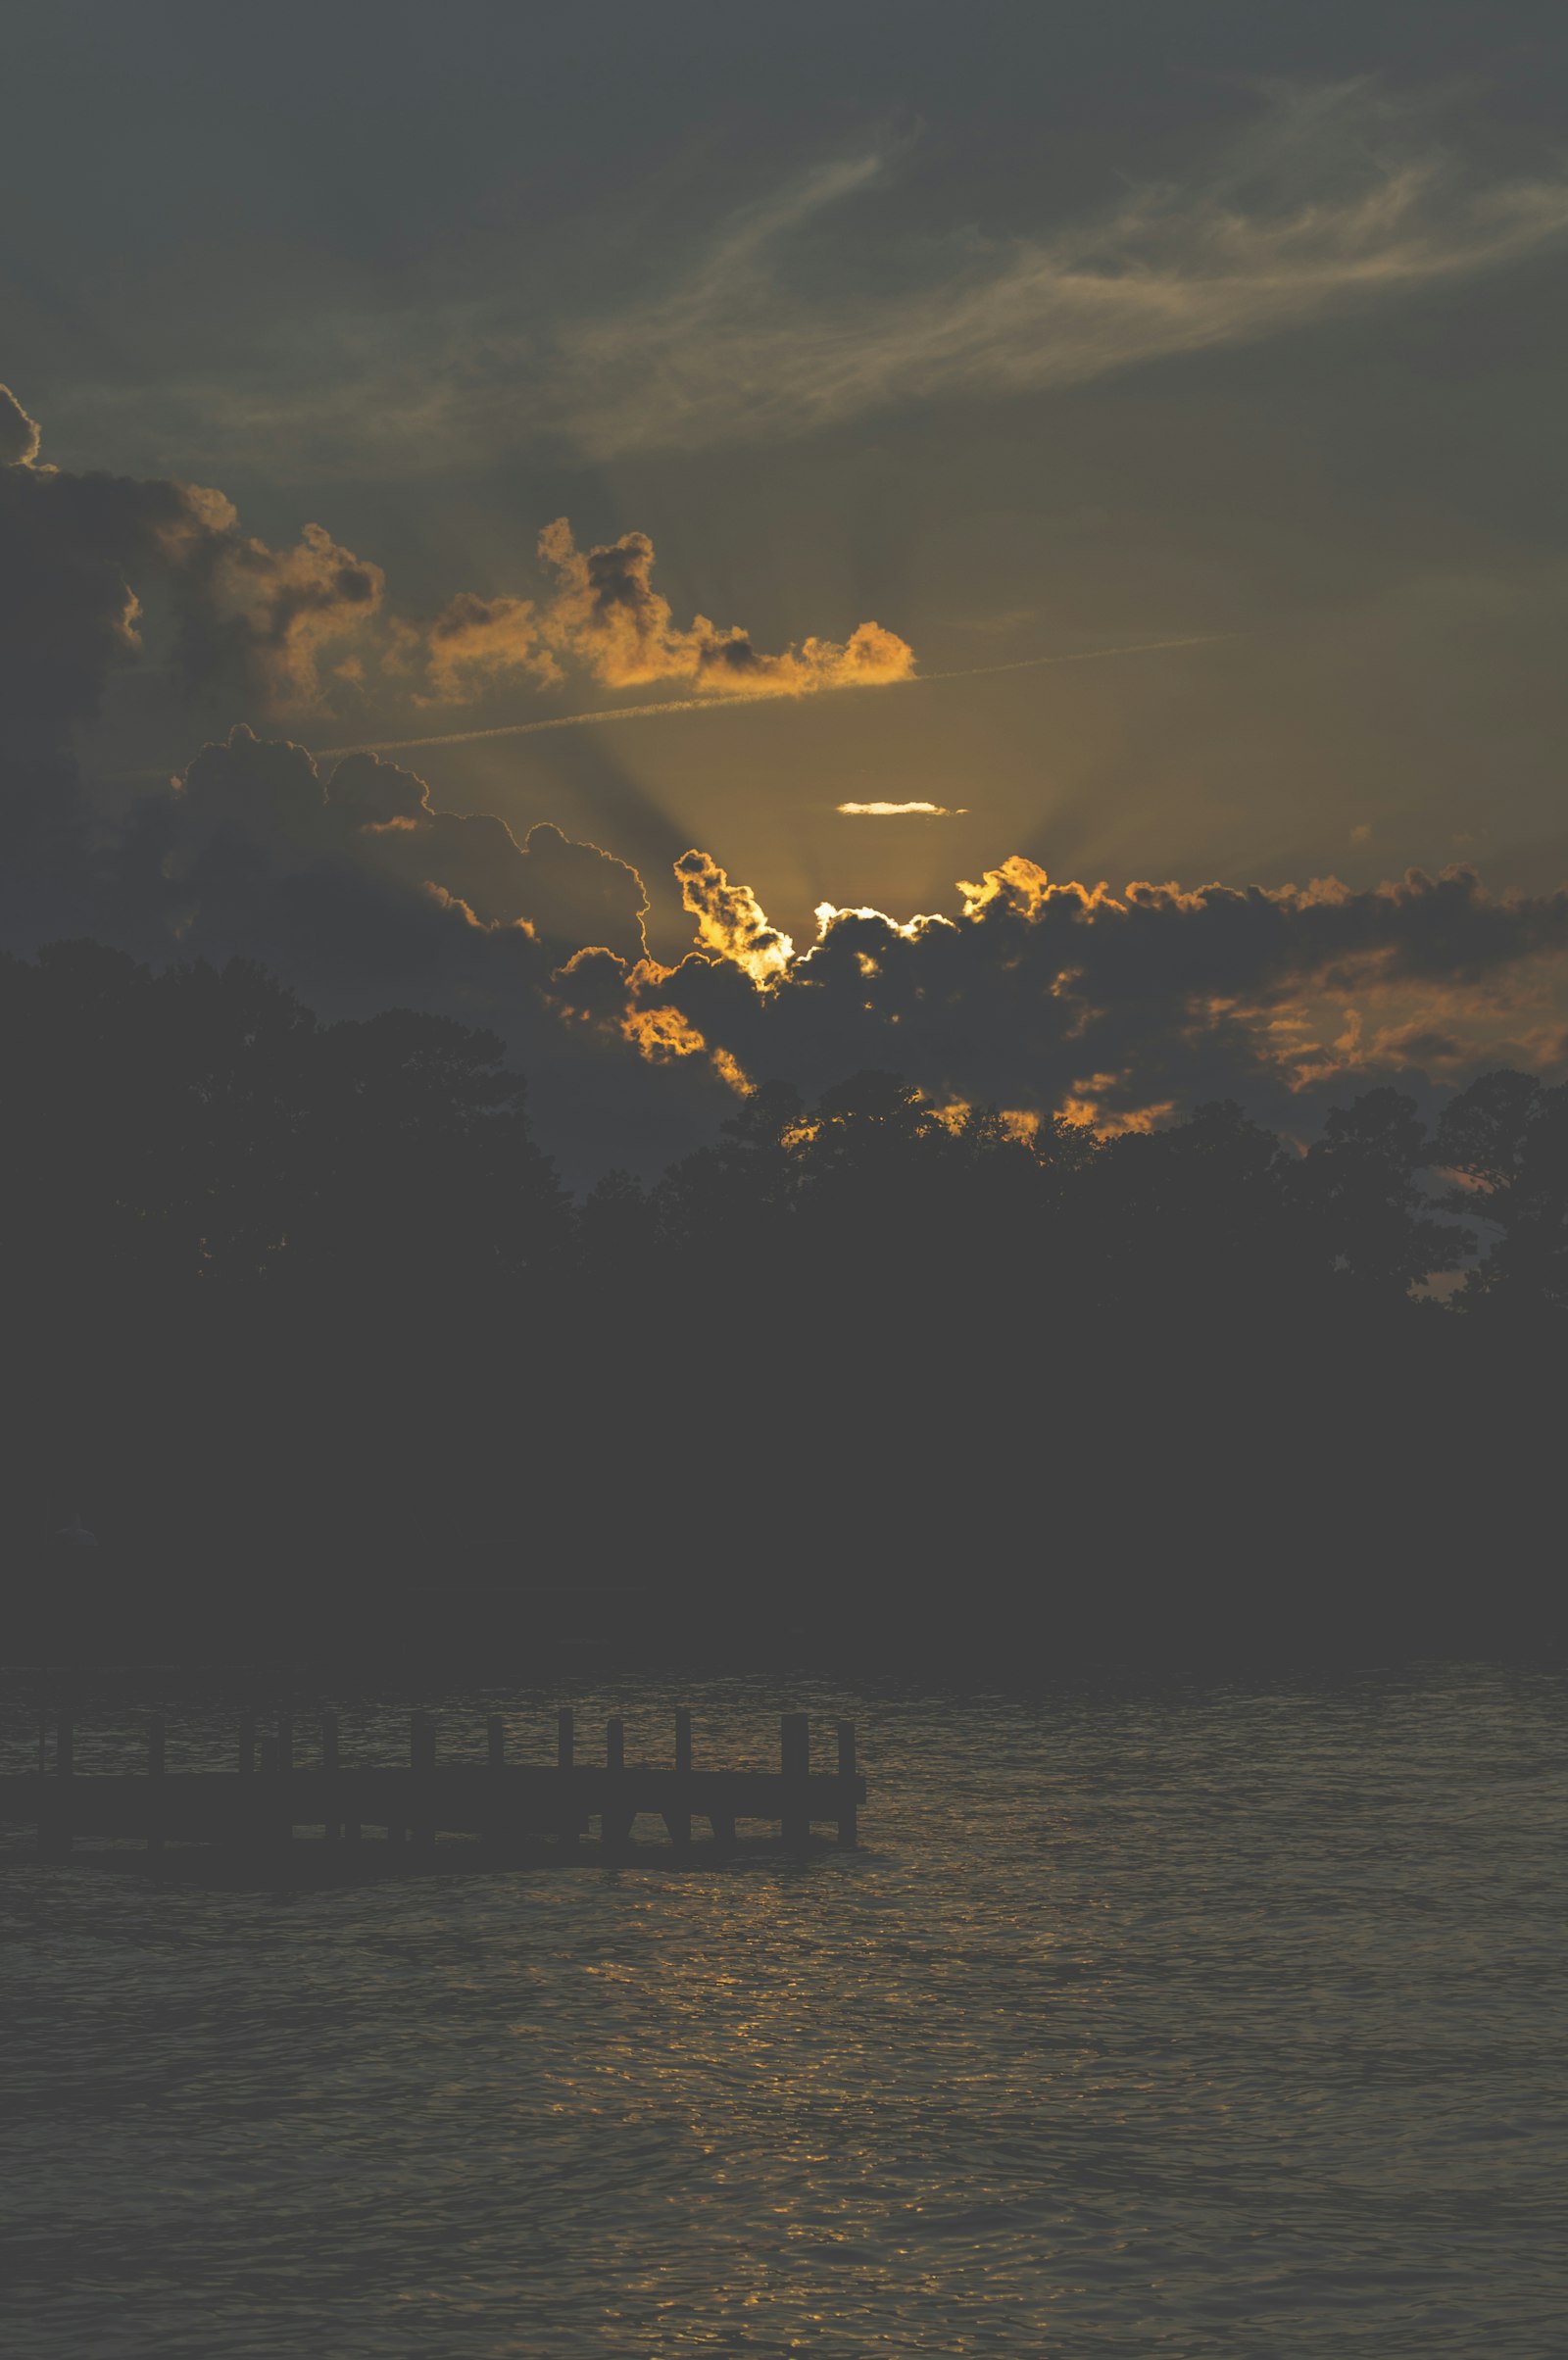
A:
(1186, 2023)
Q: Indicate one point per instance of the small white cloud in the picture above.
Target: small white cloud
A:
(901, 811)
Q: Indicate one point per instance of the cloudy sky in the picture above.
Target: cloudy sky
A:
(1130, 434)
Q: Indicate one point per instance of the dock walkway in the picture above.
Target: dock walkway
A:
(514, 1808)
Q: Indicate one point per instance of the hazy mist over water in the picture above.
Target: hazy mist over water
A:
(1194, 2022)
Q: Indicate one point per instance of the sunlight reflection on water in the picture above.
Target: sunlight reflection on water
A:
(1205, 2022)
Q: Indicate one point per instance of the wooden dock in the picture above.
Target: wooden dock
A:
(515, 1809)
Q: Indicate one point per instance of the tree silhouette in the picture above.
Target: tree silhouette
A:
(297, 1307)
(1505, 1140)
(1359, 1191)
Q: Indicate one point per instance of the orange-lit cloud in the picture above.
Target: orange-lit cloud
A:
(19, 434)
(274, 611)
(607, 615)
(730, 919)
(472, 644)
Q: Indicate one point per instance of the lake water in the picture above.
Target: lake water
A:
(1180, 2023)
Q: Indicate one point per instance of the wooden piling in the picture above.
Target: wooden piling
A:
(271, 1820)
(155, 1771)
(285, 1768)
(421, 1758)
(492, 1829)
(848, 1814)
(615, 1821)
(679, 1822)
(571, 1824)
(332, 1827)
(795, 1762)
(54, 1829)
(246, 1744)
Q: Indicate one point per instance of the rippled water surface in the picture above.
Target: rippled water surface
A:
(1213, 2021)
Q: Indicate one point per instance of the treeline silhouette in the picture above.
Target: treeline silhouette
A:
(297, 1312)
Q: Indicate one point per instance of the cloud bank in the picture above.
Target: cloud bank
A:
(1337, 199)
(309, 629)
(1043, 998)
(1037, 996)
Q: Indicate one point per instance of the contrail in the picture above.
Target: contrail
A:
(562, 720)
(643, 712)
(1027, 663)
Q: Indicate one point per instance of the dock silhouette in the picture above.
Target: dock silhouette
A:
(269, 1809)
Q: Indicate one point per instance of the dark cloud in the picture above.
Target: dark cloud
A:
(364, 897)
(253, 825)
(69, 546)
(572, 894)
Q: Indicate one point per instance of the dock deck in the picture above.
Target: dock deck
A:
(514, 1809)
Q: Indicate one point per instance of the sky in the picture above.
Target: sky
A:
(1129, 435)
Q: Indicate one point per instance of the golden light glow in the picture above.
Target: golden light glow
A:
(901, 811)
(731, 921)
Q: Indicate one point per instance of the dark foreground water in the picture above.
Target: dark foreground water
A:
(1226, 2021)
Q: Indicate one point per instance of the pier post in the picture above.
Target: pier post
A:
(265, 1822)
(615, 1822)
(679, 1822)
(421, 1758)
(56, 1831)
(795, 1762)
(285, 1770)
(334, 1828)
(155, 1774)
(246, 1744)
(849, 1812)
(495, 1831)
(569, 1821)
